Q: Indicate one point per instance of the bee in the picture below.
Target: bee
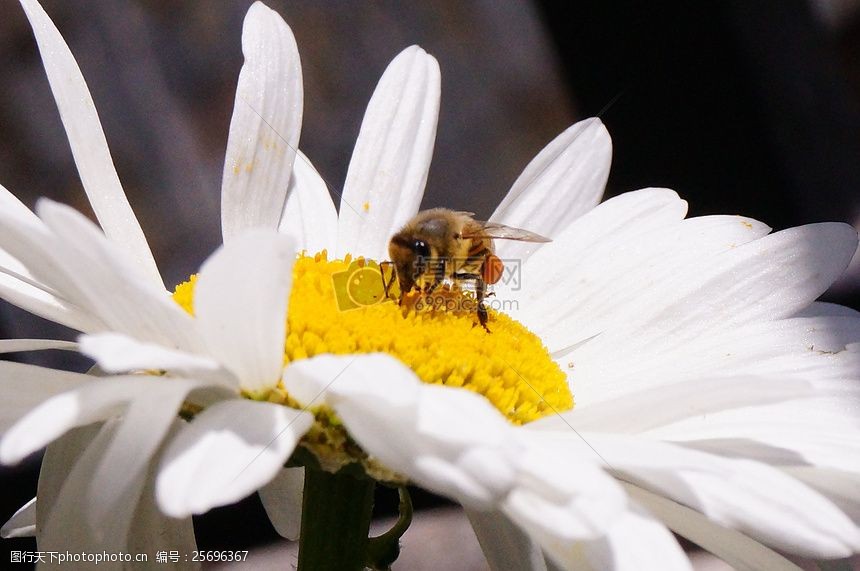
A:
(441, 245)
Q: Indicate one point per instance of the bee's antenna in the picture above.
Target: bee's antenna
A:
(386, 286)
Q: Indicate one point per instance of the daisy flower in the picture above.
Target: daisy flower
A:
(713, 395)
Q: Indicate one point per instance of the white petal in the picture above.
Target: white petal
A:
(282, 500)
(581, 250)
(605, 285)
(389, 165)
(57, 298)
(817, 432)
(751, 497)
(264, 130)
(637, 542)
(81, 404)
(57, 464)
(116, 353)
(19, 345)
(22, 523)
(769, 278)
(309, 216)
(45, 305)
(15, 209)
(240, 300)
(124, 463)
(18, 285)
(25, 386)
(10, 204)
(842, 488)
(811, 349)
(646, 409)
(65, 523)
(561, 500)
(227, 452)
(563, 182)
(766, 279)
(108, 286)
(65, 484)
(104, 486)
(505, 545)
(88, 143)
(152, 531)
(736, 549)
(814, 350)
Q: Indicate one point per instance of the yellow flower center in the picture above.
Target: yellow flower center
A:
(340, 307)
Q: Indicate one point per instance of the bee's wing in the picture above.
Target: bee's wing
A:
(480, 229)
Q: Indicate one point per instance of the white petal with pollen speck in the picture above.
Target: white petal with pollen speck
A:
(766, 279)
(264, 130)
(389, 165)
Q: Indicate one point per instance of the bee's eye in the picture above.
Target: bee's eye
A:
(421, 248)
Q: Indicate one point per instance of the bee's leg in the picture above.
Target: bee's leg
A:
(480, 293)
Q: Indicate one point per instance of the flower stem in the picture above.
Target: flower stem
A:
(336, 512)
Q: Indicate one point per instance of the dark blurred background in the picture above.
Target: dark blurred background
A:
(745, 107)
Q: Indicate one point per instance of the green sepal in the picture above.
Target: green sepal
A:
(384, 549)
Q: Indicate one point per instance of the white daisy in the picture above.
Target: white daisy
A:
(636, 305)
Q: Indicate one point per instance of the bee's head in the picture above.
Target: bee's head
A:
(410, 256)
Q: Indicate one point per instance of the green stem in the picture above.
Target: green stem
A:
(336, 512)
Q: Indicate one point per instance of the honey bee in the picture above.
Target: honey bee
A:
(441, 244)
